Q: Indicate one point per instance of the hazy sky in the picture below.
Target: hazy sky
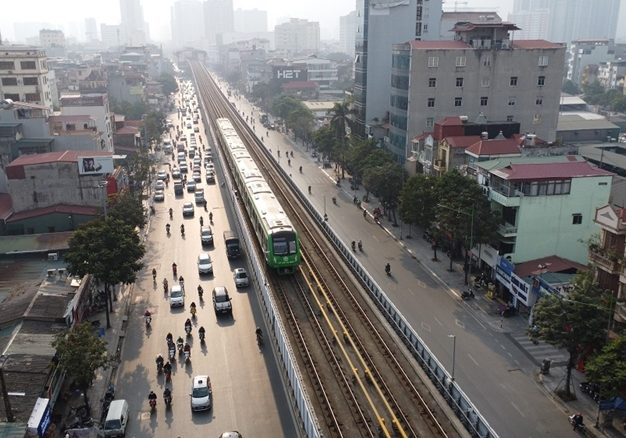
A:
(157, 12)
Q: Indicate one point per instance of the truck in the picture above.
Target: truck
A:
(232, 244)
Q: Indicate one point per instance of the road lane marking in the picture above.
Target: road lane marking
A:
(472, 359)
(425, 326)
(518, 409)
(459, 323)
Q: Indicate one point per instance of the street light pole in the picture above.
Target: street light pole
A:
(453, 354)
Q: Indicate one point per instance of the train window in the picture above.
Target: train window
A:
(281, 246)
(292, 247)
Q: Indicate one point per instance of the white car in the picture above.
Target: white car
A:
(177, 296)
(201, 394)
(191, 186)
(197, 176)
(221, 300)
(161, 175)
(241, 277)
(160, 185)
(205, 266)
(188, 209)
(184, 168)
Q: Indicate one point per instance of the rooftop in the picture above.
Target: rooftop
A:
(464, 26)
(505, 146)
(500, 163)
(54, 209)
(34, 243)
(542, 171)
(583, 120)
(80, 118)
(544, 265)
(320, 106)
(609, 154)
(55, 157)
(461, 141)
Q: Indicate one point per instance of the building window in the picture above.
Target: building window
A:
(509, 118)
(577, 219)
(31, 81)
(459, 82)
(537, 118)
(418, 29)
(433, 61)
(541, 81)
(430, 122)
(539, 100)
(7, 65)
(543, 61)
(28, 65)
(461, 61)
(13, 96)
(513, 81)
(484, 100)
(32, 97)
(9, 81)
(431, 102)
(485, 82)
(458, 101)
(512, 101)
(432, 82)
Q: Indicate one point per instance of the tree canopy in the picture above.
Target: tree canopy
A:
(608, 368)
(133, 111)
(154, 125)
(81, 353)
(577, 324)
(127, 207)
(169, 83)
(418, 200)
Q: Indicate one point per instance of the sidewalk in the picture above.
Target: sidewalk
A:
(483, 308)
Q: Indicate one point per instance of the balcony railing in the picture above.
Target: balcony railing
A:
(606, 261)
(439, 165)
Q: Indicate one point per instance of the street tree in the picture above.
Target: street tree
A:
(385, 182)
(154, 124)
(418, 200)
(80, 354)
(127, 207)
(577, 324)
(169, 83)
(108, 249)
(570, 87)
(463, 214)
(324, 142)
(608, 368)
(139, 169)
(339, 121)
(301, 122)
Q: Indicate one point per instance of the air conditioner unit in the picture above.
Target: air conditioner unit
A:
(52, 272)
(53, 256)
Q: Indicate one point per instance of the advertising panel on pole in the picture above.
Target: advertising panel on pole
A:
(95, 165)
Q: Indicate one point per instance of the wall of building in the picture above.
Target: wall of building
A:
(50, 223)
(87, 142)
(545, 222)
(587, 135)
(504, 64)
(50, 184)
(102, 117)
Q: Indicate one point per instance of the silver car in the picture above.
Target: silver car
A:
(201, 394)
(241, 277)
(205, 265)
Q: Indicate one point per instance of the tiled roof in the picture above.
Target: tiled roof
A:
(6, 206)
(127, 130)
(461, 141)
(451, 121)
(505, 146)
(54, 157)
(551, 263)
(59, 208)
(574, 169)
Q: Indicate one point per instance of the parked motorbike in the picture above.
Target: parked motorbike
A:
(467, 294)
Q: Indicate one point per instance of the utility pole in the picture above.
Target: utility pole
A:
(5, 393)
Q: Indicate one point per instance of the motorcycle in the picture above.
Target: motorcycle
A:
(467, 294)
(187, 356)
(259, 340)
(353, 246)
(165, 286)
(360, 245)
(388, 270)
(180, 348)
(578, 426)
(193, 312)
(152, 404)
(182, 230)
(188, 330)
(148, 319)
(200, 292)
(172, 353)
(174, 271)
(334, 200)
(167, 229)
(168, 400)
(202, 335)
(159, 367)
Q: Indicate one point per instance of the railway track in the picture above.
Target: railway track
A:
(364, 383)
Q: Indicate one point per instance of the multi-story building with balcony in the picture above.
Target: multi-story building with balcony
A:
(297, 36)
(608, 255)
(481, 72)
(24, 75)
(95, 105)
(547, 205)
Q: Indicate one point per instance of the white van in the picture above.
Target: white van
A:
(117, 419)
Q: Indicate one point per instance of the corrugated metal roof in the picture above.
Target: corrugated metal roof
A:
(576, 169)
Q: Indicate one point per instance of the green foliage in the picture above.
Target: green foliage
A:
(324, 141)
(608, 368)
(570, 87)
(385, 182)
(418, 200)
(297, 117)
(81, 353)
(127, 207)
(169, 83)
(576, 324)
(132, 111)
(283, 105)
(154, 124)
(138, 167)
(108, 249)
(613, 99)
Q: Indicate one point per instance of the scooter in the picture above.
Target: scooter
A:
(172, 353)
(360, 245)
(187, 356)
(168, 400)
(188, 330)
(202, 336)
(259, 340)
(159, 367)
(148, 321)
(580, 427)
(467, 294)
(180, 348)
(152, 405)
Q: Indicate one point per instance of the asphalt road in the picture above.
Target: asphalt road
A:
(247, 391)
(489, 367)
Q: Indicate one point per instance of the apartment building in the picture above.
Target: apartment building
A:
(297, 36)
(95, 105)
(481, 72)
(53, 41)
(24, 75)
(547, 205)
(584, 53)
(608, 253)
(380, 25)
(347, 32)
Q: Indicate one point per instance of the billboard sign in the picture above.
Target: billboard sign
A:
(283, 73)
(95, 165)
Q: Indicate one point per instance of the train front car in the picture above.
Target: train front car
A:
(283, 245)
